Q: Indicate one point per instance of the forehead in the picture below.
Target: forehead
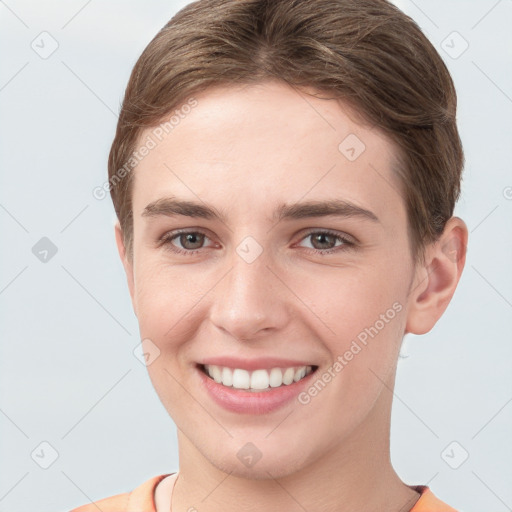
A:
(249, 146)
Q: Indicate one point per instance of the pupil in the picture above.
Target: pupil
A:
(321, 238)
(189, 238)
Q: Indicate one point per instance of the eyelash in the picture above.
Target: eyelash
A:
(167, 238)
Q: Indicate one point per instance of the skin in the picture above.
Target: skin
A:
(244, 150)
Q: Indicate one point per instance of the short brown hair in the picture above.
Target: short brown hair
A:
(366, 53)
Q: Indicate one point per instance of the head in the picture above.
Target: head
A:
(256, 111)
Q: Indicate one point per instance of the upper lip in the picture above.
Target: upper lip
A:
(254, 364)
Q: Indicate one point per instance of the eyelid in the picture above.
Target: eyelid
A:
(341, 234)
(169, 236)
(348, 242)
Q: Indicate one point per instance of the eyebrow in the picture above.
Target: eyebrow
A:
(170, 206)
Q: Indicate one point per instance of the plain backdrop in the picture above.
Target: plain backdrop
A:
(79, 419)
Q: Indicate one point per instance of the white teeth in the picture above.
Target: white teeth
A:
(241, 379)
(288, 376)
(227, 376)
(299, 373)
(258, 379)
(216, 374)
(276, 377)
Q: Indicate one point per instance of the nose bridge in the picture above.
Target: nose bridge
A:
(247, 299)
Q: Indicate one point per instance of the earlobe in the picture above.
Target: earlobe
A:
(436, 280)
(126, 261)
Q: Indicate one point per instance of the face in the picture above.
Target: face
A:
(275, 307)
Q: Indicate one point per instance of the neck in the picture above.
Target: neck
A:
(355, 474)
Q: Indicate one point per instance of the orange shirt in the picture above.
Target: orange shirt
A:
(141, 499)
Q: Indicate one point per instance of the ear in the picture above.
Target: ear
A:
(127, 263)
(436, 279)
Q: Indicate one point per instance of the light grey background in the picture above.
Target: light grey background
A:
(68, 373)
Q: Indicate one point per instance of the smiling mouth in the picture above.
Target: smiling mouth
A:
(256, 380)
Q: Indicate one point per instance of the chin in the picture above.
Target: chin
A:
(250, 462)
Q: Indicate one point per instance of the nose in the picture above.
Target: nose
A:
(250, 301)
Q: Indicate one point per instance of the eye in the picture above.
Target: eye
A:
(191, 241)
(324, 242)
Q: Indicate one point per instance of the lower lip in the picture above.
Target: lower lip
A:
(252, 402)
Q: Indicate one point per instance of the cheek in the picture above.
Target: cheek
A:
(365, 314)
(166, 302)
(347, 300)
(173, 302)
